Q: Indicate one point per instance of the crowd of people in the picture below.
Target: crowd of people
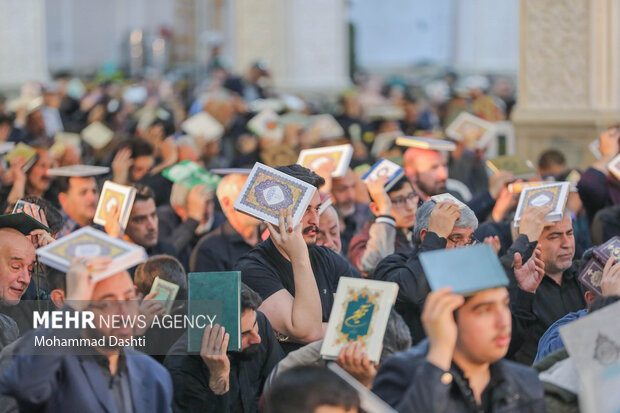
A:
(442, 352)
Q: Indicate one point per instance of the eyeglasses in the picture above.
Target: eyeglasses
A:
(401, 201)
(462, 242)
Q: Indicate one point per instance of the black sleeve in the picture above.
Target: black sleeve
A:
(523, 246)
(178, 236)
(482, 205)
(274, 350)
(207, 257)
(593, 191)
(523, 318)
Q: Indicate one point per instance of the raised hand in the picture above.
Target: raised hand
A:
(355, 361)
(378, 194)
(196, 201)
(498, 181)
(213, 354)
(440, 327)
(149, 307)
(80, 284)
(288, 239)
(533, 221)
(113, 225)
(442, 219)
(120, 166)
(530, 274)
(610, 282)
(494, 242)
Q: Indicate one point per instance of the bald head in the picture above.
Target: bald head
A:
(427, 170)
(227, 192)
(17, 255)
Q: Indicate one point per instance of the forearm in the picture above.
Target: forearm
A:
(306, 313)
(18, 191)
(379, 245)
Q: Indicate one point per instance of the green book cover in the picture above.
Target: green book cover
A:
(190, 174)
(215, 296)
(519, 166)
(466, 269)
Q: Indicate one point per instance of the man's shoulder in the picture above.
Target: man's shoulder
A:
(145, 361)
(523, 377)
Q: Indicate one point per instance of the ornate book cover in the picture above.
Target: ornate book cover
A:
(89, 242)
(360, 314)
(426, 143)
(268, 190)
(217, 297)
(474, 132)
(520, 167)
(555, 195)
(97, 135)
(384, 167)
(115, 195)
(340, 155)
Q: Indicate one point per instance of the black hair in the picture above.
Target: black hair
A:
(166, 267)
(250, 300)
(139, 147)
(399, 184)
(305, 174)
(5, 119)
(602, 302)
(551, 157)
(56, 280)
(303, 389)
(143, 192)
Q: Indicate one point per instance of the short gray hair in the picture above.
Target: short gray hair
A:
(397, 336)
(467, 220)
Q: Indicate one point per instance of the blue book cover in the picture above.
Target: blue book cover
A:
(384, 167)
(466, 269)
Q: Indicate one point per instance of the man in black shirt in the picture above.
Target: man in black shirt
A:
(220, 382)
(559, 292)
(220, 249)
(296, 279)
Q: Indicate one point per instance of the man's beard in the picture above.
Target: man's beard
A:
(247, 354)
(346, 210)
(431, 191)
(309, 229)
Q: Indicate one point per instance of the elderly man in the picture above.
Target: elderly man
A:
(95, 378)
(329, 230)
(220, 249)
(190, 215)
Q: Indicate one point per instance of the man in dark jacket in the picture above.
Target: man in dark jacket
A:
(219, 381)
(460, 368)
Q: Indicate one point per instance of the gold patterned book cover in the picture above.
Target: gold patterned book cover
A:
(592, 275)
(115, 195)
(614, 167)
(89, 242)
(360, 314)
(554, 195)
(474, 132)
(520, 167)
(340, 155)
(268, 190)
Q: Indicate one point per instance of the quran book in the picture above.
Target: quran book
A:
(340, 155)
(22, 222)
(383, 142)
(78, 170)
(328, 126)
(387, 168)
(555, 195)
(446, 197)
(324, 205)
(518, 187)
(114, 195)
(592, 275)
(166, 292)
(595, 148)
(614, 167)
(277, 155)
(71, 139)
(609, 249)
(520, 167)
(21, 205)
(24, 151)
(474, 132)
(360, 314)
(204, 125)
(295, 118)
(89, 242)
(216, 296)
(266, 125)
(593, 341)
(426, 143)
(190, 174)
(369, 402)
(467, 269)
(97, 135)
(267, 191)
(599, 390)
(385, 112)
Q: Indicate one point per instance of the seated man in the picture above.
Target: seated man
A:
(190, 215)
(221, 248)
(392, 229)
(461, 367)
(90, 378)
(220, 381)
(296, 279)
(311, 390)
(142, 227)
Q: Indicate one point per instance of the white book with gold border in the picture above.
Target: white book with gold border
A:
(204, 126)
(88, 242)
(422, 142)
(555, 194)
(97, 135)
(339, 154)
(614, 166)
(267, 191)
(474, 132)
(113, 194)
(360, 314)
